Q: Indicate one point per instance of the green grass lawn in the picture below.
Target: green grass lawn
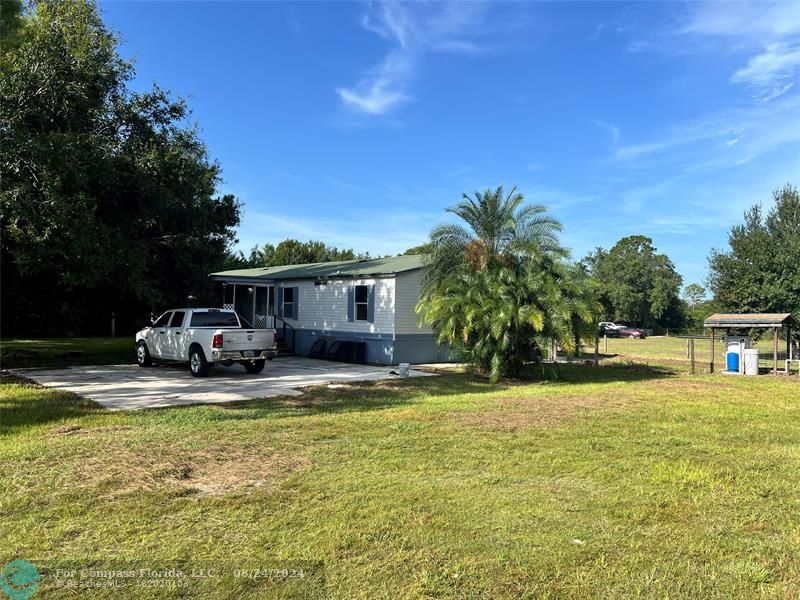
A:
(62, 352)
(603, 482)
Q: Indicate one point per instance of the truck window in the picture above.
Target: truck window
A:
(177, 318)
(214, 319)
(163, 319)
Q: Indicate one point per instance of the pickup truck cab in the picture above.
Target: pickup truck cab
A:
(204, 337)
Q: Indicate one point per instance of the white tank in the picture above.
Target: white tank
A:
(734, 342)
(751, 361)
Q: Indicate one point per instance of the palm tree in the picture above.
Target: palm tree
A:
(499, 289)
(497, 229)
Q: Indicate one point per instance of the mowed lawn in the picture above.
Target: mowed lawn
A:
(600, 482)
(63, 352)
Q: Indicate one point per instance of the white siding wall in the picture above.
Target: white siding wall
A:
(408, 285)
(325, 306)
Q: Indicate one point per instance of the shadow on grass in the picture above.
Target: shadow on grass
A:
(22, 360)
(604, 373)
(376, 395)
(25, 404)
(366, 395)
(65, 352)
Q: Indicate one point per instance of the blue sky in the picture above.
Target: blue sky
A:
(359, 123)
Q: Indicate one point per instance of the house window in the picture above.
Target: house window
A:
(362, 301)
(288, 302)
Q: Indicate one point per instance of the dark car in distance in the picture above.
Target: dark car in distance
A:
(612, 330)
(631, 332)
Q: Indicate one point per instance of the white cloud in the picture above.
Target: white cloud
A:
(772, 72)
(770, 31)
(635, 151)
(383, 89)
(776, 92)
(413, 30)
(743, 19)
(390, 21)
(679, 136)
(727, 138)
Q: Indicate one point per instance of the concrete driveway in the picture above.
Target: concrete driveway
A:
(130, 387)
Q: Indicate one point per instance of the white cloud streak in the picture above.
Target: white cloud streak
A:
(413, 30)
(772, 72)
(769, 29)
(750, 19)
(381, 90)
(729, 138)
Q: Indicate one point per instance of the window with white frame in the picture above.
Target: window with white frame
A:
(288, 302)
(362, 302)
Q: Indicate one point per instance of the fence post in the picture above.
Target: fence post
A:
(775, 351)
(596, 350)
(691, 354)
(605, 344)
(711, 366)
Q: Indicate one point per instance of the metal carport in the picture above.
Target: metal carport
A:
(774, 321)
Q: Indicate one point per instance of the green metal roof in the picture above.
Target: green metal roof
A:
(332, 270)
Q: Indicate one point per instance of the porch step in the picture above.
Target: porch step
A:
(283, 349)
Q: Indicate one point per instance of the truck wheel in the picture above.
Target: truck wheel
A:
(143, 355)
(255, 366)
(198, 364)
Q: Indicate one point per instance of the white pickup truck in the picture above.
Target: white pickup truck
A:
(205, 337)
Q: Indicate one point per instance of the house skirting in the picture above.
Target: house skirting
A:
(418, 348)
(381, 349)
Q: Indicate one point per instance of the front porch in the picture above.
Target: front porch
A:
(256, 303)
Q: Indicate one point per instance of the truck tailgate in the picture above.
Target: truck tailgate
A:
(247, 339)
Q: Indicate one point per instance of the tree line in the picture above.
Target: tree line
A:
(110, 202)
(291, 252)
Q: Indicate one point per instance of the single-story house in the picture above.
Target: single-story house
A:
(371, 301)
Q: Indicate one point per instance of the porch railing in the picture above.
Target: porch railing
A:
(264, 321)
(286, 332)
